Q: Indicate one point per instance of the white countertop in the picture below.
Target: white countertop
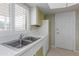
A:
(6, 51)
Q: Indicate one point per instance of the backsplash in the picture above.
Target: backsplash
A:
(13, 35)
(43, 30)
(10, 35)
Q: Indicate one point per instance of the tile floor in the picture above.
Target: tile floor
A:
(61, 52)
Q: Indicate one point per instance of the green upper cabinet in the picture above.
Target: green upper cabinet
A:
(36, 16)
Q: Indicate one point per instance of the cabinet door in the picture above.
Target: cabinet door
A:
(40, 16)
(39, 52)
(45, 46)
(36, 16)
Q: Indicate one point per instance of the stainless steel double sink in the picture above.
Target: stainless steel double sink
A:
(19, 44)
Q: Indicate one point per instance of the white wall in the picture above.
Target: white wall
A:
(77, 30)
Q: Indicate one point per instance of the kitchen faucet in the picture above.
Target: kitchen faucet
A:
(20, 38)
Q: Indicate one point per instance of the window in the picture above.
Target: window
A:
(4, 16)
(20, 18)
(13, 17)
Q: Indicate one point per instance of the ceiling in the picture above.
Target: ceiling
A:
(43, 6)
(51, 7)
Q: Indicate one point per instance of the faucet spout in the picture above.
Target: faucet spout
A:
(21, 37)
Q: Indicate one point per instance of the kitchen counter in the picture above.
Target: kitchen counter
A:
(6, 51)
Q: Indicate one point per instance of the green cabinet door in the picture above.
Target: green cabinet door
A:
(39, 52)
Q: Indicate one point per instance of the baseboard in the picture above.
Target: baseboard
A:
(77, 50)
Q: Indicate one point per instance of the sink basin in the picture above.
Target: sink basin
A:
(31, 38)
(19, 44)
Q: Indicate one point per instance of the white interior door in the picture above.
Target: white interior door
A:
(65, 30)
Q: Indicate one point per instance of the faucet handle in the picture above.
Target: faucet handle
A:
(22, 34)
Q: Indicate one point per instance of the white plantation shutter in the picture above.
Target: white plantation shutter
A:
(4, 9)
(20, 14)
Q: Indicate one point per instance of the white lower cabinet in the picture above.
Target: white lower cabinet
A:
(39, 49)
(45, 46)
